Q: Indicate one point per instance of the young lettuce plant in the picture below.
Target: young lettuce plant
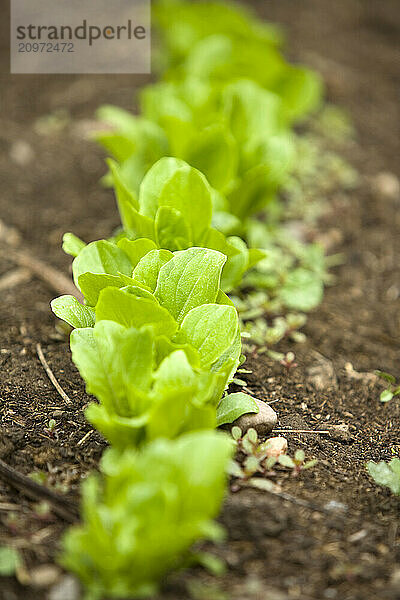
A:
(142, 516)
(143, 394)
(236, 136)
(192, 22)
(222, 50)
(177, 295)
(174, 209)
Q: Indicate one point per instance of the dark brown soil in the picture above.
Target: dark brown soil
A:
(276, 550)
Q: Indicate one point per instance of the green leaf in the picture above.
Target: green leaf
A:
(91, 285)
(101, 257)
(114, 361)
(124, 308)
(386, 396)
(132, 134)
(236, 265)
(234, 406)
(189, 280)
(128, 206)
(299, 456)
(301, 91)
(214, 152)
(265, 485)
(286, 461)
(386, 377)
(174, 372)
(386, 474)
(187, 191)
(236, 433)
(302, 290)
(10, 561)
(136, 249)
(255, 255)
(213, 564)
(73, 312)
(171, 229)
(154, 181)
(121, 432)
(251, 110)
(165, 346)
(148, 268)
(72, 244)
(125, 195)
(211, 329)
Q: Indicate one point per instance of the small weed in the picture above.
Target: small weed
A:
(392, 386)
(262, 458)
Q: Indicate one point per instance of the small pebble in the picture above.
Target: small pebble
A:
(340, 433)
(58, 413)
(357, 536)
(66, 589)
(387, 185)
(334, 505)
(21, 153)
(45, 575)
(263, 422)
(395, 580)
(322, 375)
(276, 446)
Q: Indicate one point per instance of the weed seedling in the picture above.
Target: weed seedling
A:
(289, 361)
(51, 429)
(392, 386)
(262, 457)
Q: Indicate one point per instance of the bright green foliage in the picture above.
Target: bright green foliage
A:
(73, 312)
(141, 518)
(170, 304)
(157, 340)
(234, 406)
(236, 137)
(386, 474)
(143, 394)
(10, 561)
(173, 209)
(221, 42)
(194, 21)
(72, 244)
(392, 386)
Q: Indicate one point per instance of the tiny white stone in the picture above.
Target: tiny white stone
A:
(276, 446)
(66, 589)
(45, 575)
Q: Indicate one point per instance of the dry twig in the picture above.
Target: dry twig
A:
(51, 375)
(319, 431)
(61, 507)
(24, 258)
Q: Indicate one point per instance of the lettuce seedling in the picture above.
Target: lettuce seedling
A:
(236, 136)
(194, 21)
(230, 48)
(143, 394)
(141, 517)
(174, 209)
(176, 296)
